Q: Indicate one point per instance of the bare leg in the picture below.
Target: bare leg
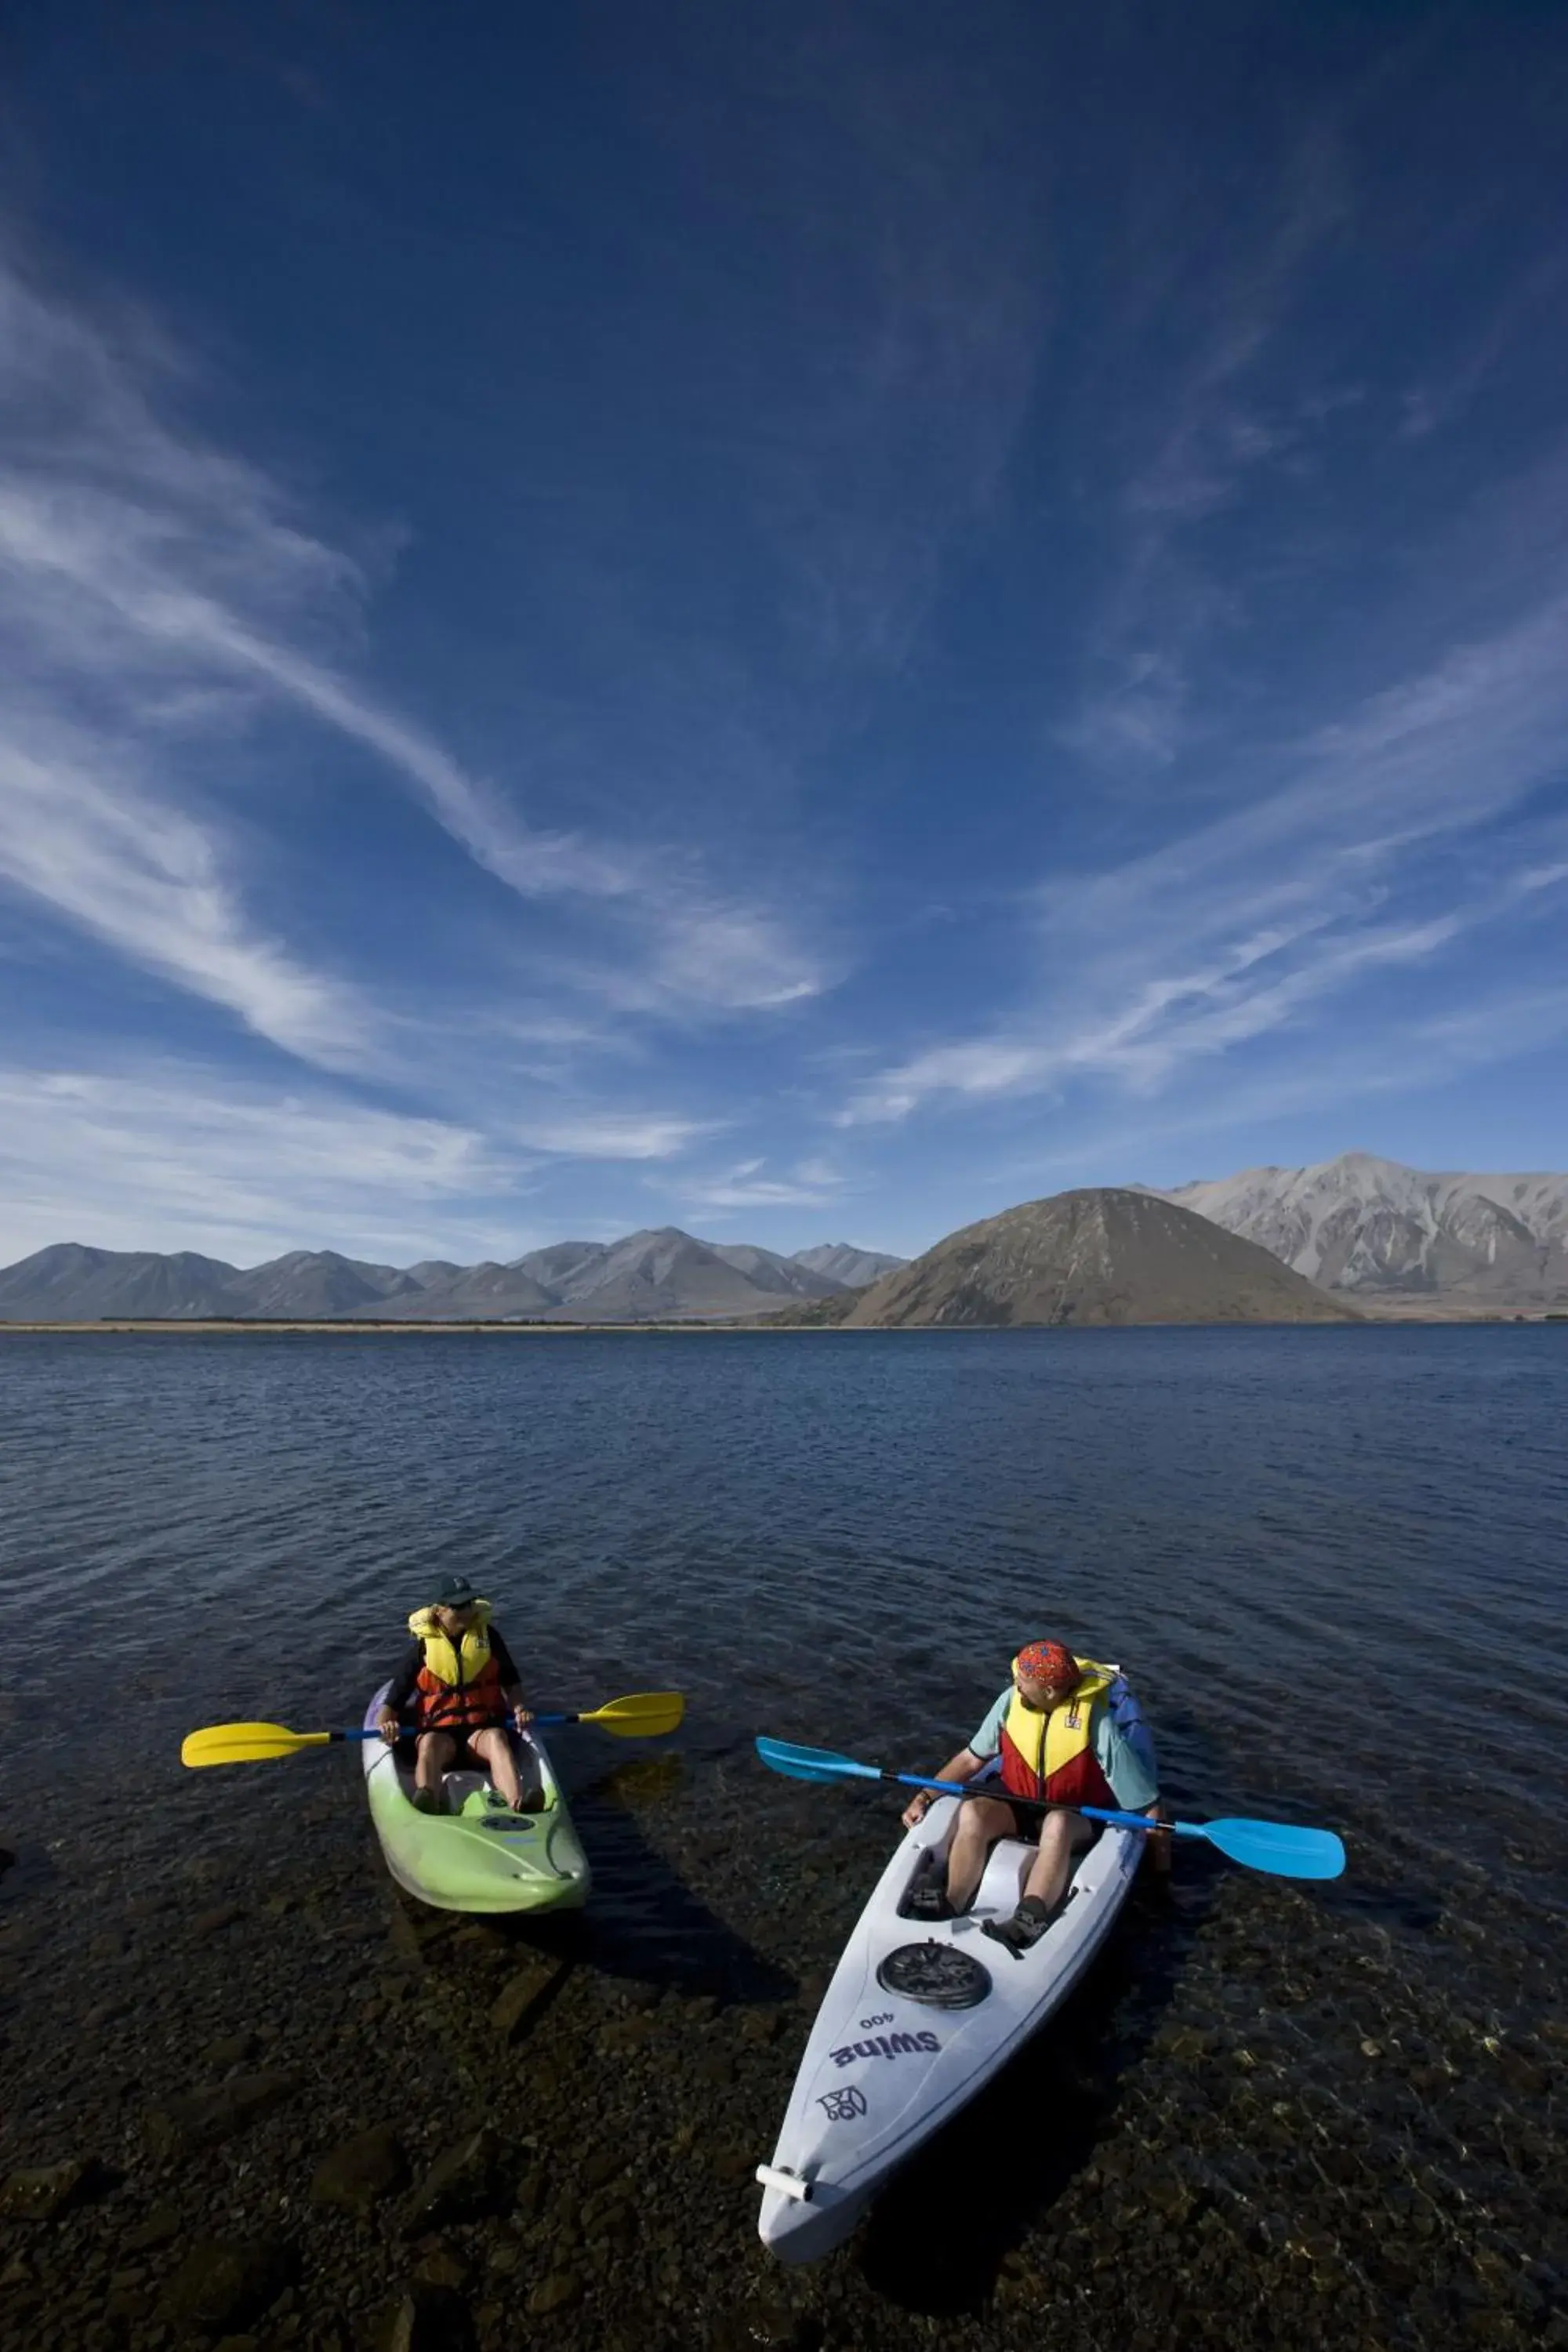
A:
(494, 1746)
(1048, 1875)
(435, 1752)
(981, 1821)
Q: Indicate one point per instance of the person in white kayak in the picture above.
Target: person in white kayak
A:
(464, 1688)
(1064, 1730)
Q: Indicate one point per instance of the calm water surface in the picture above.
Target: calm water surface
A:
(1333, 1563)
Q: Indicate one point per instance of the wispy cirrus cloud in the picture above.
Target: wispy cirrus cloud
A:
(1211, 438)
(808, 1183)
(155, 595)
(614, 1134)
(1353, 1067)
(90, 824)
(89, 835)
(880, 345)
(1234, 931)
(172, 1156)
(1155, 1022)
(1440, 402)
(1195, 445)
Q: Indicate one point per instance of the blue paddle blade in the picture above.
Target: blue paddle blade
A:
(812, 1763)
(1278, 1847)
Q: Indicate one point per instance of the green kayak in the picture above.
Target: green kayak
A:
(477, 1854)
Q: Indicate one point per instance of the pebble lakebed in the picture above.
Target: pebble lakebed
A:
(294, 2108)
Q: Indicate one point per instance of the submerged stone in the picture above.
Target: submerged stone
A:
(39, 2193)
(428, 2319)
(205, 2119)
(553, 2293)
(232, 2050)
(162, 2224)
(459, 2186)
(223, 2283)
(516, 1996)
(441, 2268)
(357, 2175)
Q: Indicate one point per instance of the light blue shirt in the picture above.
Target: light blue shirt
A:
(1126, 1757)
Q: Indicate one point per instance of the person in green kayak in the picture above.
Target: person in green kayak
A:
(462, 1686)
(1067, 1730)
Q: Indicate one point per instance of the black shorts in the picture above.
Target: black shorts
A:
(1028, 1821)
(1026, 1818)
(466, 1759)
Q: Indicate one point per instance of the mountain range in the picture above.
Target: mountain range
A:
(1394, 1238)
(1390, 1239)
(644, 1278)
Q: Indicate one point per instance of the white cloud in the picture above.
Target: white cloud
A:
(978, 1067)
(886, 345)
(1421, 1052)
(615, 1135)
(729, 957)
(154, 594)
(1229, 932)
(158, 1159)
(104, 852)
(757, 1193)
(808, 1184)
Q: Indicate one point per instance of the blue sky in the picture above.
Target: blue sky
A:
(804, 622)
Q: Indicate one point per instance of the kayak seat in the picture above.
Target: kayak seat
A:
(1006, 1872)
(473, 1794)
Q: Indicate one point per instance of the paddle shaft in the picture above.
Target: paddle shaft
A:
(420, 1731)
(453, 1730)
(1308, 1854)
(1042, 1804)
(407, 1731)
(1278, 1847)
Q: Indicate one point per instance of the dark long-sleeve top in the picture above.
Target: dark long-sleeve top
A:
(400, 1697)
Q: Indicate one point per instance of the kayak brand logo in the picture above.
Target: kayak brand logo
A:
(843, 2107)
(887, 2045)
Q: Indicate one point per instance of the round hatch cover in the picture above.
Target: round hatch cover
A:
(937, 1973)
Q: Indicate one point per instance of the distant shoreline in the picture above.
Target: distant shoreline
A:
(345, 1326)
(119, 1327)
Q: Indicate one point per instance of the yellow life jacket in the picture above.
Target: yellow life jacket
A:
(453, 1664)
(1049, 1755)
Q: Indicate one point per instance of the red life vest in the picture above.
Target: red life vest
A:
(1052, 1755)
(459, 1686)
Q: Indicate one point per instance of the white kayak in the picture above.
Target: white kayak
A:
(918, 2015)
(476, 1855)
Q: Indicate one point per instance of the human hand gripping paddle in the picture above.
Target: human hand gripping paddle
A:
(1278, 1847)
(646, 1715)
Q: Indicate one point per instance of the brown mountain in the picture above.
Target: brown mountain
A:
(1099, 1257)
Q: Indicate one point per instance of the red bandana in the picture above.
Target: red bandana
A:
(1047, 1661)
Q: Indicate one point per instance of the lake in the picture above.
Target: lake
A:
(1332, 1562)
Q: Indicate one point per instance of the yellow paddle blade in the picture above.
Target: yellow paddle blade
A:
(246, 1743)
(643, 1715)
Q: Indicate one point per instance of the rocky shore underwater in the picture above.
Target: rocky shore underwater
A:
(256, 2097)
(248, 2092)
